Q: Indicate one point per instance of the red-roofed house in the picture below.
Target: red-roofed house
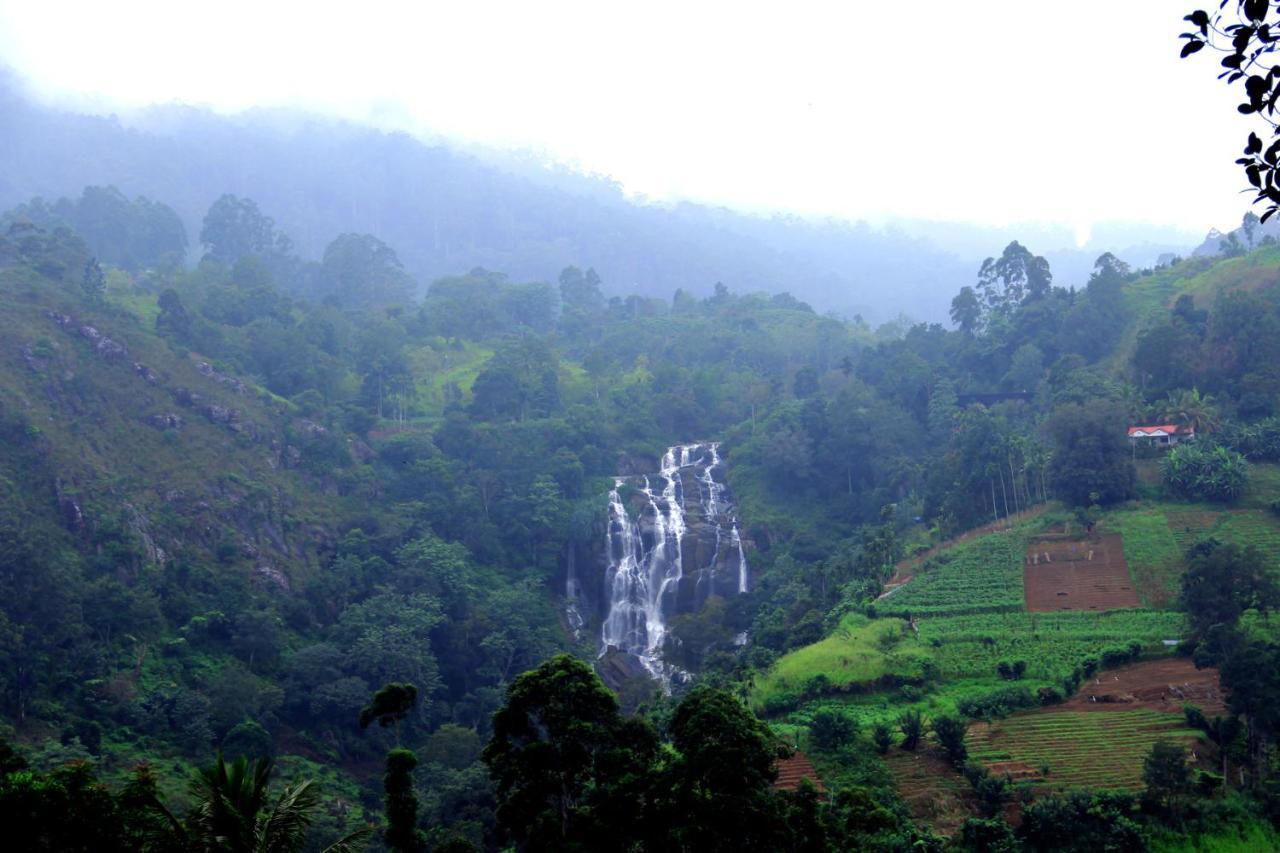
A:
(1162, 434)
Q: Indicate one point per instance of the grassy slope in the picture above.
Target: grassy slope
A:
(1158, 532)
(1150, 297)
(187, 489)
(859, 651)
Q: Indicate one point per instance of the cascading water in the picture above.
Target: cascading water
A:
(653, 557)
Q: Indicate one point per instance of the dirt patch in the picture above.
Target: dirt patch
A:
(1018, 771)
(1160, 685)
(933, 791)
(1078, 574)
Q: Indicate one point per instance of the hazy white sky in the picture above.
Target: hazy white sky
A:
(993, 111)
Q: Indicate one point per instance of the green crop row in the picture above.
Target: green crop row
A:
(1096, 749)
(985, 574)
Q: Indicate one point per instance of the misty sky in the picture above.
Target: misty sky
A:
(985, 112)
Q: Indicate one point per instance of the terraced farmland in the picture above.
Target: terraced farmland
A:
(933, 791)
(1100, 737)
(981, 576)
(1080, 749)
(1157, 536)
(1052, 644)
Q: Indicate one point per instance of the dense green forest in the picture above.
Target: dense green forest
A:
(243, 496)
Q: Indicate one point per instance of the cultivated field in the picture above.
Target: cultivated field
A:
(1099, 738)
(981, 575)
(1077, 574)
(1157, 536)
(933, 791)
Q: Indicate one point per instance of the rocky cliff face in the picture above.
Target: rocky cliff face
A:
(669, 542)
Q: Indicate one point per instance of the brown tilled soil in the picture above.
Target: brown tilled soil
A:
(1161, 685)
(1078, 574)
(791, 771)
(934, 792)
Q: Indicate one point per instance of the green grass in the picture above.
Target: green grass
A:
(886, 706)
(438, 365)
(958, 655)
(1151, 550)
(859, 651)
(1082, 749)
(1251, 838)
(1150, 297)
(1157, 534)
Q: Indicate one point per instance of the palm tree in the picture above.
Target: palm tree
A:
(234, 813)
(1191, 409)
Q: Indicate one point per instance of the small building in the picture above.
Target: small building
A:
(1161, 434)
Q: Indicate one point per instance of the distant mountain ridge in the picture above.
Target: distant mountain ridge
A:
(446, 212)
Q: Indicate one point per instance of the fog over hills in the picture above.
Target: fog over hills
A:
(447, 208)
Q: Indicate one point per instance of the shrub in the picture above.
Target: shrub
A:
(950, 732)
(1049, 695)
(1114, 657)
(993, 792)
(974, 772)
(912, 726)
(998, 704)
(781, 703)
(831, 730)
(910, 694)
(1205, 473)
(882, 736)
(817, 686)
(986, 834)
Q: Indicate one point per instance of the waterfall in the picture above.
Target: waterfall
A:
(646, 580)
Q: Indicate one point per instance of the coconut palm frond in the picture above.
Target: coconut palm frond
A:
(284, 828)
(355, 842)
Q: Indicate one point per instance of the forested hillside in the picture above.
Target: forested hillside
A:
(248, 501)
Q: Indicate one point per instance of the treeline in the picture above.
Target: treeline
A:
(446, 211)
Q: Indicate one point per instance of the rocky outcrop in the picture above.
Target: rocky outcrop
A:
(165, 420)
(234, 383)
(105, 347)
